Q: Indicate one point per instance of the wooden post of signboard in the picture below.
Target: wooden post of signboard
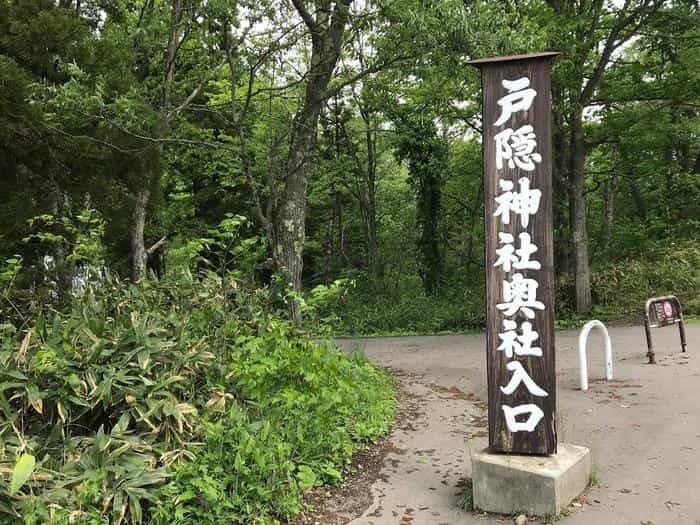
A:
(526, 168)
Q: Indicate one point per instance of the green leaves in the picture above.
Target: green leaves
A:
(306, 476)
(124, 359)
(23, 469)
(34, 396)
(299, 412)
(157, 401)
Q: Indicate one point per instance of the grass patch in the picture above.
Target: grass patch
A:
(594, 480)
(466, 496)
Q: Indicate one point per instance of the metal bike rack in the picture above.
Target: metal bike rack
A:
(582, 358)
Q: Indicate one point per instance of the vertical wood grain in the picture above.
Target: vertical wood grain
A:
(543, 440)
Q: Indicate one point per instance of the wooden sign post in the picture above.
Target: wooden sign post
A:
(517, 155)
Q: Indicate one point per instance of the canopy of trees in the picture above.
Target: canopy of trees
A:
(312, 144)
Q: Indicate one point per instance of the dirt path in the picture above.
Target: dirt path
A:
(643, 430)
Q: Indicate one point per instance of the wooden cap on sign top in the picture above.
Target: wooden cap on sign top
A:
(485, 61)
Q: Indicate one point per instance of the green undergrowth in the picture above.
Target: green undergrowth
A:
(372, 309)
(179, 402)
(619, 288)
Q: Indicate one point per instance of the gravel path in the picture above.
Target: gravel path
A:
(643, 429)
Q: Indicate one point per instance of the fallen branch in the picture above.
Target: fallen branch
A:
(156, 246)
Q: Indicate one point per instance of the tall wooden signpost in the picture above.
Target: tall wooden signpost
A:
(517, 151)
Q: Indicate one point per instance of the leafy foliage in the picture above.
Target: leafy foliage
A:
(95, 118)
(620, 287)
(161, 134)
(128, 396)
(373, 310)
(306, 416)
(427, 158)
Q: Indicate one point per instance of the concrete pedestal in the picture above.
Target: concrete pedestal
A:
(534, 485)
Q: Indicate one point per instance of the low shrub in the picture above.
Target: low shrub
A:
(622, 287)
(181, 401)
(308, 408)
(373, 308)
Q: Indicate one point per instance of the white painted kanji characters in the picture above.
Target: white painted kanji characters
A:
(519, 98)
(519, 259)
(521, 376)
(506, 253)
(517, 148)
(513, 343)
(529, 424)
(520, 295)
(505, 201)
(524, 203)
(509, 338)
(527, 248)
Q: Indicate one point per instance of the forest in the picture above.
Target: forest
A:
(191, 191)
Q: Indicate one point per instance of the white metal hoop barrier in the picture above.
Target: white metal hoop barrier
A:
(583, 362)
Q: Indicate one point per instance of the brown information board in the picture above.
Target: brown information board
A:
(663, 311)
(659, 312)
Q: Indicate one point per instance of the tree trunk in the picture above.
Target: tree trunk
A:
(562, 226)
(341, 256)
(139, 253)
(609, 202)
(640, 204)
(290, 224)
(371, 205)
(476, 210)
(329, 248)
(429, 207)
(291, 219)
(138, 246)
(584, 301)
(373, 244)
(367, 201)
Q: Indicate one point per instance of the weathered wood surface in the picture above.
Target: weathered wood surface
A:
(543, 439)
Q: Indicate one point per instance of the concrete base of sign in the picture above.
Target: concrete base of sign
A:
(534, 485)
